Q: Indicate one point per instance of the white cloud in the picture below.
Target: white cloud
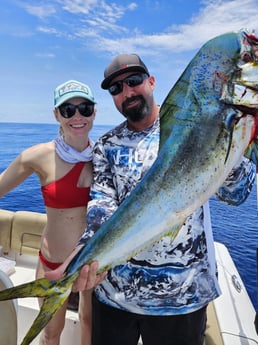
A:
(47, 30)
(216, 18)
(98, 22)
(98, 25)
(78, 6)
(45, 55)
(40, 11)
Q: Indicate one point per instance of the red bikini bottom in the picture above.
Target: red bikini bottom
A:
(48, 264)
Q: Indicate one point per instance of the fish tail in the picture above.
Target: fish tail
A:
(54, 293)
(48, 309)
(38, 288)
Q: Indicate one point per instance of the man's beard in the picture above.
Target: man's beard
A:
(137, 112)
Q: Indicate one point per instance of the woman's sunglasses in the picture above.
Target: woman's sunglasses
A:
(67, 110)
(131, 81)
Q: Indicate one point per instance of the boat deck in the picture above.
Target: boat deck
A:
(230, 320)
(230, 317)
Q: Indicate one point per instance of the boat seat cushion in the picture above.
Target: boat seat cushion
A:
(21, 231)
(8, 315)
(6, 220)
(26, 233)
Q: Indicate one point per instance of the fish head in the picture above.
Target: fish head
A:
(204, 103)
(204, 129)
(240, 89)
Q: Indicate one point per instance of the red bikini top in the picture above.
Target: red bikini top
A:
(64, 192)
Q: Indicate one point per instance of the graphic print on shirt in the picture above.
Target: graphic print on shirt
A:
(167, 276)
(173, 276)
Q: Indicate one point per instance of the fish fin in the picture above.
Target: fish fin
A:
(37, 288)
(54, 293)
(229, 144)
(48, 309)
(230, 122)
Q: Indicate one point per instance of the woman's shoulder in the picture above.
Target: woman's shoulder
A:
(38, 152)
(40, 148)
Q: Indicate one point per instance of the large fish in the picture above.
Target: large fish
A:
(206, 126)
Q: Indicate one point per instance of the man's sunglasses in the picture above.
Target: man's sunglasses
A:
(67, 110)
(131, 81)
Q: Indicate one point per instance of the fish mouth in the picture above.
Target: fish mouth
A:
(241, 87)
(242, 96)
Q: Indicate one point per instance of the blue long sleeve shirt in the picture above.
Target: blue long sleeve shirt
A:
(173, 276)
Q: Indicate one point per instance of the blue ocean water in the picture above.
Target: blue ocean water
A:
(236, 227)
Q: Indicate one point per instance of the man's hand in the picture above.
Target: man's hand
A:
(87, 279)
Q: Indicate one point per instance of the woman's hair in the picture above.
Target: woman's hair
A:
(61, 131)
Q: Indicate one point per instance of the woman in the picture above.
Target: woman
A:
(64, 169)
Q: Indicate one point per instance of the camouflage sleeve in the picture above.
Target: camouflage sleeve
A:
(103, 194)
(238, 184)
(252, 151)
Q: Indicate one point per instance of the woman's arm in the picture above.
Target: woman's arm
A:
(16, 172)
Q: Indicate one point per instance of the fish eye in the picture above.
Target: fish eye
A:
(246, 57)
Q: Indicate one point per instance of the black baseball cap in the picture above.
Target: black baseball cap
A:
(121, 64)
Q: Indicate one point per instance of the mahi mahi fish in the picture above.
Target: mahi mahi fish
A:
(208, 121)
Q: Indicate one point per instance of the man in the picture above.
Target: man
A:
(162, 293)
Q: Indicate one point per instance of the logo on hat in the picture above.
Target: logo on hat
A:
(73, 86)
(72, 89)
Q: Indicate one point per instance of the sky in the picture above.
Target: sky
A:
(45, 43)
